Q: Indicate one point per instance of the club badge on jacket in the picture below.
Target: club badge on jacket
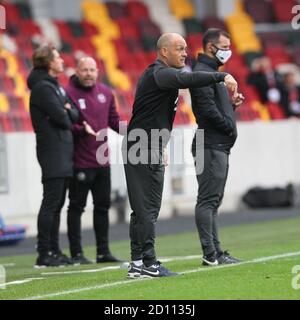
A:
(82, 104)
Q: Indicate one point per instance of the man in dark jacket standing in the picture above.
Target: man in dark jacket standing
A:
(52, 116)
(96, 105)
(214, 112)
(150, 127)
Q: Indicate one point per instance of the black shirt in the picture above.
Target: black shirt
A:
(156, 98)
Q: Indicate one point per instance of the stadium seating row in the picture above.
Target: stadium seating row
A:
(122, 36)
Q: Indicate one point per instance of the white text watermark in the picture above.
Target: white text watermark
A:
(296, 18)
(2, 277)
(141, 146)
(296, 278)
(2, 17)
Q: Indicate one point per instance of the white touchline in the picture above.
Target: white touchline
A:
(80, 271)
(113, 284)
(257, 260)
(8, 265)
(22, 281)
(178, 258)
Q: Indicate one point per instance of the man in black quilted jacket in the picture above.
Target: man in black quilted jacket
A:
(214, 112)
(52, 116)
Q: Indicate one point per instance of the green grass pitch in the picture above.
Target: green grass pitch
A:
(277, 243)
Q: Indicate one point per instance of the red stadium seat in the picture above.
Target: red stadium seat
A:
(273, 39)
(116, 10)
(128, 27)
(5, 125)
(16, 103)
(283, 9)
(260, 10)
(296, 55)
(276, 111)
(278, 55)
(137, 9)
(213, 22)
(89, 29)
(64, 30)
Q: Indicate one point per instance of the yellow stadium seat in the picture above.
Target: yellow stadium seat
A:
(182, 9)
(262, 110)
(241, 28)
(26, 98)
(110, 29)
(20, 85)
(105, 50)
(119, 79)
(94, 9)
(12, 64)
(97, 15)
(4, 105)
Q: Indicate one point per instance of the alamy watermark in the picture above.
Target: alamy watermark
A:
(141, 146)
(2, 17)
(296, 278)
(2, 277)
(296, 18)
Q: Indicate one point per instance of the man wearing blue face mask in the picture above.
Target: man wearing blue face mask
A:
(214, 112)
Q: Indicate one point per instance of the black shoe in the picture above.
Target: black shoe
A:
(81, 259)
(134, 271)
(48, 260)
(226, 258)
(62, 258)
(210, 259)
(107, 258)
(156, 270)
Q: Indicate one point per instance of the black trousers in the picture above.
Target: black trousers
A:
(211, 185)
(54, 193)
(97, 181)
(145, 187)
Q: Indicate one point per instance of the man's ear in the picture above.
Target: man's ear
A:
(164, 51)
(210, 48)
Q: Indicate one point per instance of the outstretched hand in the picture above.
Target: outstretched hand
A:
(89, 129)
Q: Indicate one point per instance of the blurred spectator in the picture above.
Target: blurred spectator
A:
(290, 95)
(266, 80)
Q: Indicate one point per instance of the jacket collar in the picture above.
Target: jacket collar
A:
(74, 81)
(204, 58)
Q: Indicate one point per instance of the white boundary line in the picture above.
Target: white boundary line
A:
(257, 260)
(8, 265)
(22, 281)
(80, 271)
(119, 283)
(178, 258)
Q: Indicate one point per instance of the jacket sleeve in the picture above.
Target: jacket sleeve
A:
(78, 130)
(49, 102)
(171, 78)
(73, 112)
(114, 117)
(204, 103)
